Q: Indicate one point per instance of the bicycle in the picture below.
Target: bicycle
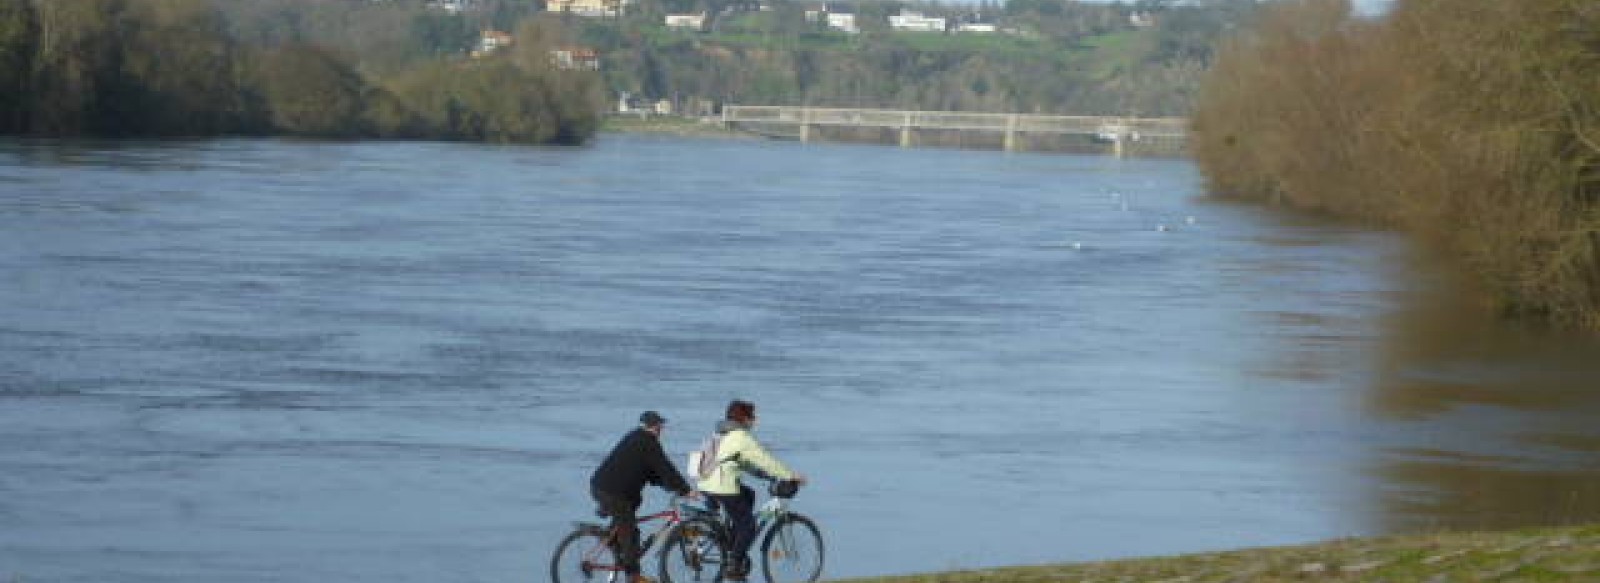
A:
(791, 543)
(691, 551)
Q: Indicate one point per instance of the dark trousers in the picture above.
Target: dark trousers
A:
(741, 513)
(625, 523)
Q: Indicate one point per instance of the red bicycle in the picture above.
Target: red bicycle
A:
(691, 550)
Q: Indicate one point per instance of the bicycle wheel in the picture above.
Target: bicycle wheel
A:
(693, 553)
(792, 551)
(584, 557)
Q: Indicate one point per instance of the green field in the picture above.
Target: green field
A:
(1537, 555)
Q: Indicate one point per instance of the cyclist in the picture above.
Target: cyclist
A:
(618, 486)
(738, 451)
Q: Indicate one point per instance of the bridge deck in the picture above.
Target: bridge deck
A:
(954, 120)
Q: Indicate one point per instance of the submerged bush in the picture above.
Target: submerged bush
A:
(1474, 123)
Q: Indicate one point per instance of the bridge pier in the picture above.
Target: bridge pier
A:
(1011, 133)
(907, 139)
(805, 133)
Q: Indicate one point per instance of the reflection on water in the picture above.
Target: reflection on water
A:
(1500, 417)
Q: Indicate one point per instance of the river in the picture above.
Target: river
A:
(263, 360)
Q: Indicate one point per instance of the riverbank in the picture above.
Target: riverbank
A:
(669, 125)
(1550, 554)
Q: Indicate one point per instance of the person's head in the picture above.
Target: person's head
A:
(652, 421)
(742, 412)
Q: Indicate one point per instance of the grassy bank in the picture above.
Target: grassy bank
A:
(1554, 554)
(666, 124)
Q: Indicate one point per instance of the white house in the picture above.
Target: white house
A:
(490, 41)
(836, 20)
(914, 21)
(687, 21)
(845, 22)
(979, 27)
(590, 8)
(451, 6)
(575, 58)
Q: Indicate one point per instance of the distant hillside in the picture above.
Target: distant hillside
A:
(1044, 56)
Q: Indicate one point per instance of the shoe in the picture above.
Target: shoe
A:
(640, 579)
(737, 572)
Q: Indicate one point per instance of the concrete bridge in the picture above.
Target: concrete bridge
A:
(1115, 130)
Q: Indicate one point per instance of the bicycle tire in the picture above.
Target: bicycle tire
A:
(786, 550)
(568, 563)
(693, 553)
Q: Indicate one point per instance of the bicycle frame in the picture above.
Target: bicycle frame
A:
(669, 518)
(769, 513)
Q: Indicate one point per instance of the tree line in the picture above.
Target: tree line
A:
(1474, 123)
(122, 68)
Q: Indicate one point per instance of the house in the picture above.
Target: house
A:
(843, 21)
(978, 27)
(490, 41)
(687, 21)
(591, 8)
(908, 20)
(1142, 19)
(575, 58)
(451, 6)
(836, 20)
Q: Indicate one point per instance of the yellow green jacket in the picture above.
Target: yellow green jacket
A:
(738, 450)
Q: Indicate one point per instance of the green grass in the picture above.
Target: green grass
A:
(1121, 50)
(967, 42)
(1570, 554)
(663, 124)
(748, 33)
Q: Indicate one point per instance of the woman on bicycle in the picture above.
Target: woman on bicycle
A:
(738, 451)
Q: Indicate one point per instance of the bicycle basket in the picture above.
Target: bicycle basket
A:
(784, 488)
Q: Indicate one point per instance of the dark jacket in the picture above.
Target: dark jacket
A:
(637, 460)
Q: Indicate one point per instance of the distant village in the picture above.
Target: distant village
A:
(835, 17)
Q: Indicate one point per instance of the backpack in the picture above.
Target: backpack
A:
(703, 461)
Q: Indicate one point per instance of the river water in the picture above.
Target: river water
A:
(285, 361)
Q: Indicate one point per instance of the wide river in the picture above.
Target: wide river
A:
(244, 360)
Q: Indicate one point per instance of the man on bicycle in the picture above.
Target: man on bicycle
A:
(618, 486)
(738, 451)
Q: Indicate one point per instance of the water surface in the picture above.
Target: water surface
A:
(277, 360)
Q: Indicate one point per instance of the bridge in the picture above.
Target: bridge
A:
(1116, 130)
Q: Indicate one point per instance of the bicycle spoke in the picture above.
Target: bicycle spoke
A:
(691, 555)
(584, 557)
(792, 551)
